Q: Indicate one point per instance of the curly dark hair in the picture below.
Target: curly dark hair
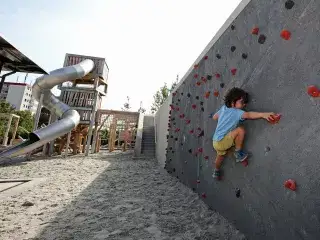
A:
(234, 95)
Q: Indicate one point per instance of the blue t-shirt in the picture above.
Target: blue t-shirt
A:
(228, 120)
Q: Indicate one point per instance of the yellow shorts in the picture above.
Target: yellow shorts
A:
(223, 145)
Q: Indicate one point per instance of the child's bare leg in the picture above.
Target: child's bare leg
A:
(218, 161)
(238, 136)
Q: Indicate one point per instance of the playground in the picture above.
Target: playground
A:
(105, 196)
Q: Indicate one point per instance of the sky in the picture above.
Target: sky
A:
(145, 42)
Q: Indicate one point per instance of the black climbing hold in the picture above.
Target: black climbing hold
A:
(237, 192)
(181, 144)
(233, 48)
(170, 148)
(174, 124)
(188, 95)
(201, 134)
(193, 189)
(172, 151)
(178, 177)
(170, 160)
(289, 4)
(262, 39)
(233, 27)
(244, 55)
(181, 93)
(182, 172)
(176, 139)
(209, 77)
(174, 170)
(267, 149)
(167, 136)
(197, 97)
(190, 150)
(185, 162)
(218, 56)
(202, 109)
(171, 136)
(201, 103)
(222, 85)
(173, 119)
(178, 100)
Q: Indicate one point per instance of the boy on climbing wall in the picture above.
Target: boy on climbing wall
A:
(228, 133)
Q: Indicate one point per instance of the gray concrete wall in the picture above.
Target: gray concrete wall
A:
(276, 74)
(161, 131)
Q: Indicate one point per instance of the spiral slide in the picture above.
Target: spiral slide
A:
(69, 118)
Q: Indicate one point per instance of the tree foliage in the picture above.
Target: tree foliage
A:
(25, 123)
(161, 95)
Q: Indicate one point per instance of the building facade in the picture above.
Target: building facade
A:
(19, 95)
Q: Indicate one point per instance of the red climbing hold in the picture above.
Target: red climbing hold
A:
(216, 93)
(313, 91)
(171, 106)
(198, 83)
(255, 31)
(207, 94)
(203, 79)
(177, 130)
(275, 119)
(206, 157)
(234, 71)
(218, 75)
(194, 106)
(191, 131)
(199, 128)
(188, 121)
(196, 76)
(290, 184)
(203, 195)
(245, 163)
(285, 34)
(200, 150)
(177, 109)
(181, 115)
(196, 66)
(205, 57)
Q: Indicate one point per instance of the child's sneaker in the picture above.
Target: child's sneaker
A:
(216, 174)
(240, 155)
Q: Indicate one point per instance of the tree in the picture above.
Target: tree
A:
(141, 109)
(161, 95)
(126, 105)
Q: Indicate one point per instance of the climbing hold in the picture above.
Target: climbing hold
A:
(185, 162)
(218, 56)
(233, 71)
(177, 130)
(199, 128)
(197, 97)
(188, 95)
(222, 85)
(169, 113)
(290, 184)
(313, 91)
(182, 172)
(216, 93)
(198, 181)
(171, 106)
(204, 79)
(174, 93)
(177, 109)
(237, 192)
(203, 195)
(206, 157)
(167, 136)
(181, 144)
(201, 103)
(262, 39)
(218, 75)
(191, 131)
(198, 83)
(194, 106)
(255, 31)
(289, 4)
(170, 148)
(190, 150)
(202, 109)
(267, 149)
(207, 94)
(275, 119)
(209, 77)
(174, 170)
(196, 66)
(176, 139)
(232, 27)
(188, 121)
(244, 55)
(201, 134)
(233, 48)
(245, 163)
(205, 57)
(181, 115)
(181, 93)
(178, 100)
(171, 136)
(196, 76)
(285, 34)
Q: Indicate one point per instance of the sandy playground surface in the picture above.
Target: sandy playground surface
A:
(105, 196)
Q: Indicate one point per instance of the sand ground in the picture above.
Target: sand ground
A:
(105, 196)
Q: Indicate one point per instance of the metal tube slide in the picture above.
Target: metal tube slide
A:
(69, 118)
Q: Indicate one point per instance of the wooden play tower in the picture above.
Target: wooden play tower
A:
(84, 95)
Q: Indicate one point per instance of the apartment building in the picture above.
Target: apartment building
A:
(18, 95)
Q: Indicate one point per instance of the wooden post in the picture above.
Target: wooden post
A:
(5, 137)
(92, 117)
(67, 145)
(16, 124)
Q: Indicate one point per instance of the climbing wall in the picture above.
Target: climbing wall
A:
(271, 50)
